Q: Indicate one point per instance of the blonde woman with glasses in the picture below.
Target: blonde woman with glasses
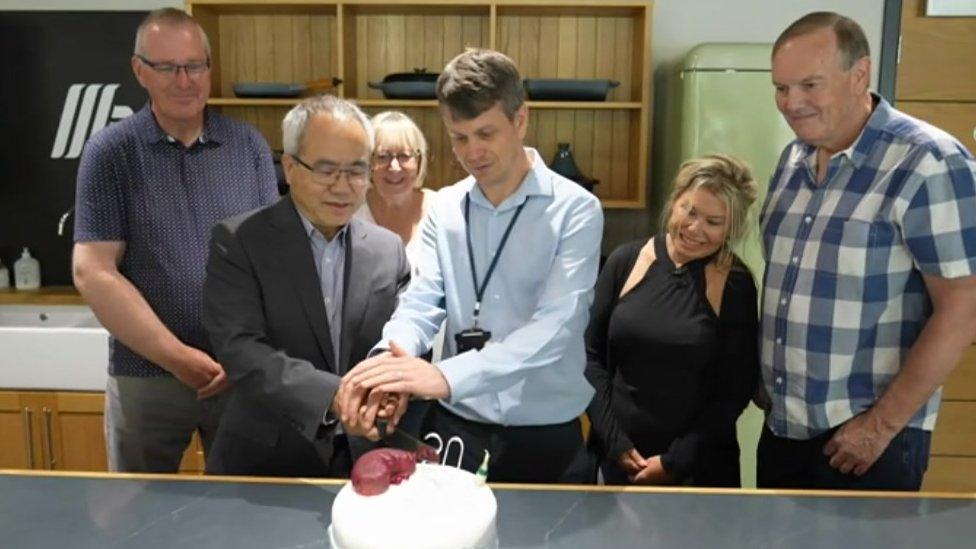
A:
(396, 198)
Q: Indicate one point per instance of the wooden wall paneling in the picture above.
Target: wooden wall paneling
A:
(962, 383)
(957, 118)
(934, 51)
(620, 168)
(263, 41)
(266, 119)
(434, 55)
(452, 40)
(954, 430)
(623, 65)
(566, 52)
(348, 53)
(950, 474)
(602, 153)
(231, 59)
(641, 146)
(323, 59)
(211, 25)
(474, 34)
(493, 27)
(547, 47)
(414, 48)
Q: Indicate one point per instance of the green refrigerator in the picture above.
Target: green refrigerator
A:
(720, 100)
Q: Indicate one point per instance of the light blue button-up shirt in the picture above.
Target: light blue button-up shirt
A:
(536, 304)
(330, 264)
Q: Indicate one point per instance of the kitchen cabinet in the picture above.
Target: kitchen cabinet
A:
(62, 431)
(360, 41)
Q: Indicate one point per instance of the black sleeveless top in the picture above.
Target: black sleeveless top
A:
(671, 376)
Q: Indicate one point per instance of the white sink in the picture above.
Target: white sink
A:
(52, 347)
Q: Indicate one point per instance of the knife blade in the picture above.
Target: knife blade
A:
(398, 438)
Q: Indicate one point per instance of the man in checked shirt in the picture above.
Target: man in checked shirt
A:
(869, 297)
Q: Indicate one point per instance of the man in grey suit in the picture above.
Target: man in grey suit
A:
(297, 293)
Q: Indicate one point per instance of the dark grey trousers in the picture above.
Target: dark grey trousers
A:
(149, 422)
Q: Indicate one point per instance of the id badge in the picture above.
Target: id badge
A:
(471, 339)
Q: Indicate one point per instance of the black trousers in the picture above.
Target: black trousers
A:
(529, 454)
(788, 463)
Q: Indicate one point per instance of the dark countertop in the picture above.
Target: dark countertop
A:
(153, 511)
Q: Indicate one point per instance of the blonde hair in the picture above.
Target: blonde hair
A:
(401, 130)
(730, 180)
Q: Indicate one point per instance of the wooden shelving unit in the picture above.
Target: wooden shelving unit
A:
(361, 41)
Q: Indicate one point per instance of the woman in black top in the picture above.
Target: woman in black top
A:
(672, 341)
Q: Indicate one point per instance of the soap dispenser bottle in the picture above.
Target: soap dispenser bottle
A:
(27, 272)
(4, 276)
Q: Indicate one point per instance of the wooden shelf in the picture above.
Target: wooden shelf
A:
(46, 295)
(419, 103)
(362, 41)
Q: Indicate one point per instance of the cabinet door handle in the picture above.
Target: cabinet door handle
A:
(29, 435)
(48, 440)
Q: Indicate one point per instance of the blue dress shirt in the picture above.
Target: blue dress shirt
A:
(536, 304)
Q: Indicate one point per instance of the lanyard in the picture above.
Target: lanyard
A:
(480, 291)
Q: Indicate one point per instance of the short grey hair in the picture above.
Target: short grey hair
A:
(293, 126)
(167, 16)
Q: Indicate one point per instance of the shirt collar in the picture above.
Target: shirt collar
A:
(859, 150)
(213, 130)
(537, 182)
(313, 233)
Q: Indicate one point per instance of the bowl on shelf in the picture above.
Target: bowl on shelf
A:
(418, 84)
(568, 89)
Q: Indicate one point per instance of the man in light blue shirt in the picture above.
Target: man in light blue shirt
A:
(511, 382)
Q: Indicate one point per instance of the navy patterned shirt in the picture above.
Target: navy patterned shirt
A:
(140, 186)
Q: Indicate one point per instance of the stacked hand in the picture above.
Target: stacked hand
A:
(198, 371)
(641, 470)
(380, 387)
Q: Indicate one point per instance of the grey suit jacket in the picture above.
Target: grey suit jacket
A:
(265, 315)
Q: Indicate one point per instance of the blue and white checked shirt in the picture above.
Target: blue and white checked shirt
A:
(843, 295)
(536, 305)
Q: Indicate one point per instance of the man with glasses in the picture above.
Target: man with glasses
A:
(150, 188)
(509, 258)
(297, 293)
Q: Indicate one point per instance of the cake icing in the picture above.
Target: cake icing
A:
(437, 507)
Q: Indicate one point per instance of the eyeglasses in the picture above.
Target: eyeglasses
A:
(328, 175)
(195, 68)
(384, 159)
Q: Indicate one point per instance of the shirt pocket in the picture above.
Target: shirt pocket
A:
(864, 248)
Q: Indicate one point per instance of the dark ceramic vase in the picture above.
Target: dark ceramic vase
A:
(564, 164)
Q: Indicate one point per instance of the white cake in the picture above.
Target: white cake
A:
(436, 507)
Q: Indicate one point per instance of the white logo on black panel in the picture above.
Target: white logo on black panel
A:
(81, 121)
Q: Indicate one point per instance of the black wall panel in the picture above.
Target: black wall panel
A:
(64, 75)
